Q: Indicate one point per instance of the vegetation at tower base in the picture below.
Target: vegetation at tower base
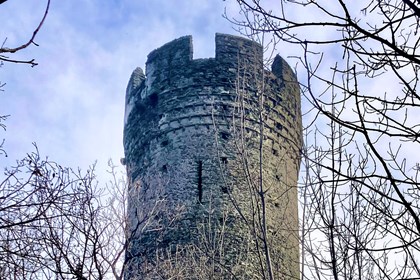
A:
(212, 155)
(59, 223)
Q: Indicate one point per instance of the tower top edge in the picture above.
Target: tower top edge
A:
(236, 38)
(183, 43)
(225, 45)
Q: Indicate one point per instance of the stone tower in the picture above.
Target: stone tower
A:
(212, 155)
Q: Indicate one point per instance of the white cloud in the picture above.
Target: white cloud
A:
(72, 103)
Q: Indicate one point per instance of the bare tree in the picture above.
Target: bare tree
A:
(358, 66)
(2, 127)
(263, 197)
(57, 223)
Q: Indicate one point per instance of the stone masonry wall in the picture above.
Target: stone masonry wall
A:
(192, 152)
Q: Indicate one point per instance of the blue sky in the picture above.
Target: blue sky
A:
(72, 103)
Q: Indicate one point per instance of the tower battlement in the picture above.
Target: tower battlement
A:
(179, 52)
(165, 64)
(189, 124)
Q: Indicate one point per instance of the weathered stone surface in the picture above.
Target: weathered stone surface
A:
(192, 151)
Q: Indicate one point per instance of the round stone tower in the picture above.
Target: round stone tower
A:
(212, 155)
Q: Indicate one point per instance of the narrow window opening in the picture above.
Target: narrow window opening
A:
(165, 143)
(200, 181)
(153, 98)
(224, 135)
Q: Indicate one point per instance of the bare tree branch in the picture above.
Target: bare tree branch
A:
(361, 190)
(5, 50)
